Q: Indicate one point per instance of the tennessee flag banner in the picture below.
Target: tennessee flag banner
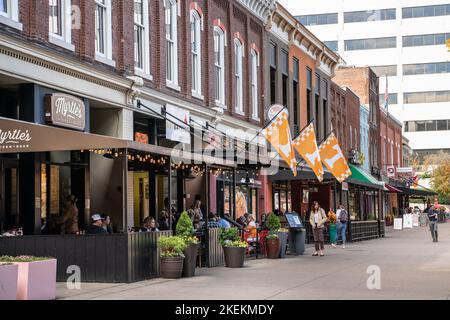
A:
(278, 134)
(306, 146)
(334, 159)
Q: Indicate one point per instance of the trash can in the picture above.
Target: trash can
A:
(332, 230)
(297, 239)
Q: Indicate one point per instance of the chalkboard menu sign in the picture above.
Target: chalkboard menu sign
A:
(294, 220)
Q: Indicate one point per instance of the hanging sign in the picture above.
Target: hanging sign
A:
(177, 124)
(63, 110)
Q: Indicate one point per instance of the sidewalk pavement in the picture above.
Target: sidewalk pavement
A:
(411, 266)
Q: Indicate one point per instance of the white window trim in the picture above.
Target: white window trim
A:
(198, 34)
(254, 61)
(65, 40)
(238, 76)
(145, 72)
(107, 57)
(221, 103)
(11, 17)
(174, 84)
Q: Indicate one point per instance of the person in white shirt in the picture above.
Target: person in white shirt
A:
(317, 220)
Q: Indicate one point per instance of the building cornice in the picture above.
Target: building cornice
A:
(260, 8)
(300, 36)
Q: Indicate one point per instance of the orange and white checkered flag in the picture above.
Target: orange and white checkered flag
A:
(278, 134)
(306, 146)
(334, 159)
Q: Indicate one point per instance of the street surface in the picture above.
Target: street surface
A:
(411, 266)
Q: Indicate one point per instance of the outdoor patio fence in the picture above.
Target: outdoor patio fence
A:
(215, 250)
(115, 258)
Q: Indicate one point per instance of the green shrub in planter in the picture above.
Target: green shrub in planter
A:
(172, 247)
(233, 247)
(185, 230)
(273, 223)
(172, 256)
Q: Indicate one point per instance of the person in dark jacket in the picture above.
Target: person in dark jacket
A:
(97, 225)
(107, 223)
(433, 221)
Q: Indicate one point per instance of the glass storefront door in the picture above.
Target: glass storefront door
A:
(9, 184)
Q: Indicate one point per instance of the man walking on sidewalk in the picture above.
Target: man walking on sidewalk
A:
(342, 220)
(433, 218)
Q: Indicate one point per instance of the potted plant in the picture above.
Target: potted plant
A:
(332, 218)
(36, 277)
(8, 281)
(172, 256)
(273, 242)
(233, 248)
(185, 230)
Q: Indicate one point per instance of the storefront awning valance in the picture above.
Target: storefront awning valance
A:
(393, 189)
(360, 177)
(21, 137)
(418, 192)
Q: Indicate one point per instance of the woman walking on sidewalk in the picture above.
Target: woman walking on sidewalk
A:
(317, 220)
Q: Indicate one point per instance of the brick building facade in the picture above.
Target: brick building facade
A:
(364, 83)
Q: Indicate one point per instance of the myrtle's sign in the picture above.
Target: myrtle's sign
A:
(14, 139)
(65, 111)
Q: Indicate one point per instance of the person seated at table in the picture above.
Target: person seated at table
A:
(150, 225)
(251, 229)
(96, 227)
(212, 222)
(224, 224)
(164, 223)
(107, 223)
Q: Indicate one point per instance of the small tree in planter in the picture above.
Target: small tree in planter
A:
(273, 242)
(8, 281)
(233, 247)
(185, 230)
(36, 277)
(172, 256)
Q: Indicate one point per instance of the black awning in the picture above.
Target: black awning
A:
(303, 173)
(417, 192)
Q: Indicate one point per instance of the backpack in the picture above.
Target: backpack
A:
(343, 218)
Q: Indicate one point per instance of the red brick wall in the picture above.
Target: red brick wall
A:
(234, 16)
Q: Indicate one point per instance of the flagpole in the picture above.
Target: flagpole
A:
(309, 123)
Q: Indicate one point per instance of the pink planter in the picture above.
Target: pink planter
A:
(8, 281)
(37, 280)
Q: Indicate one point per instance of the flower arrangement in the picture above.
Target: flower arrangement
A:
(332, 217)
(172, 246)
(272, 236)
(230, 238)
(10, 259)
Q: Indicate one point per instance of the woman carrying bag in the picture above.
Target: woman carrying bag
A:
(317, 219)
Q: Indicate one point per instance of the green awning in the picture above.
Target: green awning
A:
(362, 178)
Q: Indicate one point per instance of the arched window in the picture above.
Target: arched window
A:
(219, 66)
(254, 83)
(171, 43)
(196, 49)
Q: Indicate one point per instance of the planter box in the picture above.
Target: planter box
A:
(172, 268)
(234, 257)
(8, 281)
(37, 280)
